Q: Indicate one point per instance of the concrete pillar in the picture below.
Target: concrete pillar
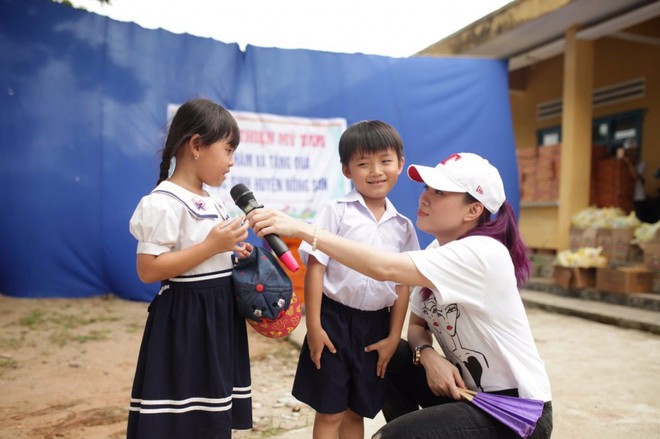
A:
(575, 172)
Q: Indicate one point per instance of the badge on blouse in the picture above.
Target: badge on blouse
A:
(199, 203)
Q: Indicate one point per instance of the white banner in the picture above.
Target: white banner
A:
(289, 163)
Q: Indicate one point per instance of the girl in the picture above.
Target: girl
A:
(193, 371)
(467, 298)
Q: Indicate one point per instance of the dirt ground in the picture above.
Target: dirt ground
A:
(66, 370)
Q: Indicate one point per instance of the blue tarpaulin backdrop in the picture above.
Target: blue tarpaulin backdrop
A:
(83, 116)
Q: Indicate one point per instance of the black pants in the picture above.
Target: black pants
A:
(440, 417)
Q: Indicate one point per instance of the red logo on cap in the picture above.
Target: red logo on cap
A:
(479, 190)
(451, 157)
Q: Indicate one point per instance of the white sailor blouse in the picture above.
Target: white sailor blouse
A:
(172, 218)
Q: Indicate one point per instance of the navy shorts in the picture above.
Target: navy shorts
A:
(347, 379)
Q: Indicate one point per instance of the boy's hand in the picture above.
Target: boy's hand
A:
(385, 348)
(317, 341)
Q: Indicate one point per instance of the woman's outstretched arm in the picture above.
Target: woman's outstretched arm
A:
(370, 261)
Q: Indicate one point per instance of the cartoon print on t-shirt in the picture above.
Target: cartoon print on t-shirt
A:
(445, 323)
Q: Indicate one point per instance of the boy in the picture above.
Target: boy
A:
(358, 319)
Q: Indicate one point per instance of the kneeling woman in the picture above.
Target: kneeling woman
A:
(467, 297)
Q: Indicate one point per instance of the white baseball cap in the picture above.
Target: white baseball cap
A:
(464, 172)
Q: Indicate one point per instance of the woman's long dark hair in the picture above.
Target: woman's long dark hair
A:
(504, 228)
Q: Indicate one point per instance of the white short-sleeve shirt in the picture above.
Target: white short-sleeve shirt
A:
(477, 316)
(349, 217)
(171, 218)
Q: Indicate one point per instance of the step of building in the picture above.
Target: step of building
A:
(647, 301)
(598, 311)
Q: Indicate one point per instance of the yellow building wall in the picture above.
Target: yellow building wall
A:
(538, 223)
(619, 61)
(615, 61)
(538, 226)
(543, 83)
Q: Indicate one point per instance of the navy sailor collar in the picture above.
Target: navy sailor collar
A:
(198, 205)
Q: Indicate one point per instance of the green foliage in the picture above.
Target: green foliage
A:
(68, 3)
(66, 327)
(35, 318)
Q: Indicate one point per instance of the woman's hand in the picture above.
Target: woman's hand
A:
(441, 376)
(267, 221)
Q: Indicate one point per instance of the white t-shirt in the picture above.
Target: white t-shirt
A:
(478, 318)
(640, 191)
(351, 218)
(171, 218)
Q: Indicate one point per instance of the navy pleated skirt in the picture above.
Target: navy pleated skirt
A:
(193, 370)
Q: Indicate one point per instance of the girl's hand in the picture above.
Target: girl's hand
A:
(441, 376)
(228, 235)
(246, 250)
(267, 221)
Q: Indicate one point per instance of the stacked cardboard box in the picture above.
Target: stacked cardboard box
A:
(598, 153)
(625, 273)
(651, 257)
(527, 158)
(538, 169)
(617, 245)
(615, 236)
(622, 250)
(625, 279)
(574, 277)
(547, 173)
(575, 238)
(614, 185)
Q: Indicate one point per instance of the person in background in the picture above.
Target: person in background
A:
(466, 297)
(629, 153)
(193, 370)
(353, 322)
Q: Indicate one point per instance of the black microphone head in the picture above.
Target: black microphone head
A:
(244, 198)
(238, 191)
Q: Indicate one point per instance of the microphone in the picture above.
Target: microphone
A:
(245, 201)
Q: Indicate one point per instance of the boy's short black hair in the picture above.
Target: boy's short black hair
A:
(369, 136)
